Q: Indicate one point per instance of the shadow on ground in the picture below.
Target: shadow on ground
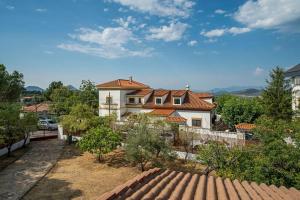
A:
(60, 190)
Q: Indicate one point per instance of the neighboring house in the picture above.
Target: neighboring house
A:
(294, 75)
(125, 97)
(167, 184)
(244, 127)
(42, 109)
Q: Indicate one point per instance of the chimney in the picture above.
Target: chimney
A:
(130, 79)
(187, 87)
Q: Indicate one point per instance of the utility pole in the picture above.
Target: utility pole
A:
(109, 102)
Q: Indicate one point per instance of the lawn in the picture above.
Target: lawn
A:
(79, 176)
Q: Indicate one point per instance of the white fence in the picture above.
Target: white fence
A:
(202, 136)
(15, 146)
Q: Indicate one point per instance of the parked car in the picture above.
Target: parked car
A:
(47, 124)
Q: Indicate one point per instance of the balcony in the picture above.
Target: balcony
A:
(113, 106)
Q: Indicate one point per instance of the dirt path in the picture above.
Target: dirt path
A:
(23, 174)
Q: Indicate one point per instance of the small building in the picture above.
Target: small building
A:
(180, 106)
(42, 109)
(294, 76)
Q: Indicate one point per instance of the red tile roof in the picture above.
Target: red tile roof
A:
(160, 92)
(245, 126)
(204, 95)
(42, 107)
(178, 93)
(175, 119)
(122, 84)
(173, 185)
(190, 102)
(142, 92)
(162, 112)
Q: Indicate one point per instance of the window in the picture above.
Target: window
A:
(140, 100)
(158, 101)
(131, 100)
(176, 101)
(297, 81)
(108, 100)
(197, 122)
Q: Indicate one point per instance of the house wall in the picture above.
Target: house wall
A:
(189, 114)
(296, 92)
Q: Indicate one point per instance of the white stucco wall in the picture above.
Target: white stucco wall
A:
(189, 114)
(14, 147)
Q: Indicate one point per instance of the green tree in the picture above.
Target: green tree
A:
(62, 100)
(277, 97)
(11, 85)
(10, 124)
(221, 100)
(79, 121)
(28, 124)
(144, 144)
(240, 110)
(99, 141)
(89, 94)
(52, 86)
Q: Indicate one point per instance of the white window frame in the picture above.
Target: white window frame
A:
(160, 101)
(176, 99)
(129, 100)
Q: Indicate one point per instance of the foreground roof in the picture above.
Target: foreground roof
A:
(122, 84)
(162, 112)
(160, 184)
(294, 71)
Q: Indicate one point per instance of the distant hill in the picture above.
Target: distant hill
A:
(34, 89)
(71, 87)
(250, 91)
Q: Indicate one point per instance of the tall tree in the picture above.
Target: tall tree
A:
(62, 100)
(10, 124)
(28, 124)
(88, 94)
(79, 121)
(52, 86)
(277, 97)
(11, 85)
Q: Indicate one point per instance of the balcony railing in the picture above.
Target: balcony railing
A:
(112, 106)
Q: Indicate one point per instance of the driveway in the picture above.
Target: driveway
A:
(19, 177)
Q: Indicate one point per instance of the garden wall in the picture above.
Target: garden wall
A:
(15, 146)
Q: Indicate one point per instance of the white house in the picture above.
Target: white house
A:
(294, 75)
(125, 97)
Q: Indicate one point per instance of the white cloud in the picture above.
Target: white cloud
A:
(110, 43)
(269, 14)
(213, 33)
(105, 9)
(220, 32)
(167, 8)
(237, 30)
(48, 52)
(192, 43)
(220, 11)
(10, 7)
(173, 32)
(125, 22)
(258, 71)
(41, 10)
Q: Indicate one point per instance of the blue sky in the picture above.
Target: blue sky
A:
(163, 43)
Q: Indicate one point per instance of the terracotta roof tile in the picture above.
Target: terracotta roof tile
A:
(162, 112)
(160, 93)
(178, 93)
(204, 95)
(245, 126)
(190, 102)
(122, 84)
(42, 107)
(171, 185)
(142, 92)
(175, 119)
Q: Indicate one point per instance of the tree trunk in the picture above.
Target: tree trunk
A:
(70, 139)
(142, 167)
(9, 150)
(26, 136)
